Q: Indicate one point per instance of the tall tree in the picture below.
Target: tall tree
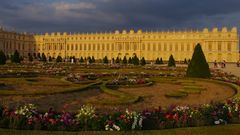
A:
(117, 60)
(81, 60)
(16, 57)
(3, 58)
(198, 66)
(157, 61)
(30, 58)
(49, 58)
(129, 60)
(161, 61)
(44, 58)
(135, 60)
(93, 59)
(89, 60)
(143, 62)
(124, 60)
(105, 60)
(59, 59)
(171, 61)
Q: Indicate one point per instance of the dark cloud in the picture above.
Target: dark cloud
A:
(109, 15)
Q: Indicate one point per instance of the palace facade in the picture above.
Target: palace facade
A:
(217, 44)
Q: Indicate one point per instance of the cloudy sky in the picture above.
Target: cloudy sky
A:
(109, 15)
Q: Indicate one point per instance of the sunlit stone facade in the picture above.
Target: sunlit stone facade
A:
(217, 44)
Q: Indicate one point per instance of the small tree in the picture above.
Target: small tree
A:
(171, 62)
(124, 60)
(44, 58)
(117, 60)
(161, 61)
(185, 61)
(198, 66)
(130, 60)
(30, 58)
(89, 60)
(81, 60)
(135, 60)
(157, 61)
(59, 59)
(39, 56)
(105, 60)
(93, 59)
(49, 58)
(16, 57)
(143, 62)
(3, 58)
(113, 61)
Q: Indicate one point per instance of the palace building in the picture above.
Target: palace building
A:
(217, 44)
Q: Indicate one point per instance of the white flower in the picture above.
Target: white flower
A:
(217, 122)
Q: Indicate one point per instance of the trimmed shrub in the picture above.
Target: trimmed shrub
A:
(16, 57)
(198, 66)
(171, 61)
(143, 62)
(3, 58)
(59, 59)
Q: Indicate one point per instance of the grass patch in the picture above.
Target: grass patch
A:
(190, 91)
(194, 88)
(177, 94)
(41, 86)
(122, 98)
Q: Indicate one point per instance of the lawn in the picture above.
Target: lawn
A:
(218, 130)
(39, 86)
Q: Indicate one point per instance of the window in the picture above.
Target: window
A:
(229, 46)
(112, 46)
(182, 47)
(149, 46)
(170, 47)
(159, 47)
(219, 46)
(76, 47)
(143, 46)
(210, 46)
(176, 47)
(154, 47)
(165, 47)
(188, 47)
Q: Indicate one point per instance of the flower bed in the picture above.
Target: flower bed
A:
(129, 82)
(28, 117)
(81, 78)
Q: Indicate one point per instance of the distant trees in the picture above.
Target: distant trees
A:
(3, 58)
(198, 66)
(171, 62)
(159, 61)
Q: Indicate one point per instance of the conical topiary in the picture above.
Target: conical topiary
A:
(143, 62)
(16, 57)
(198, 66)
(3, 58)
(171, 61)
